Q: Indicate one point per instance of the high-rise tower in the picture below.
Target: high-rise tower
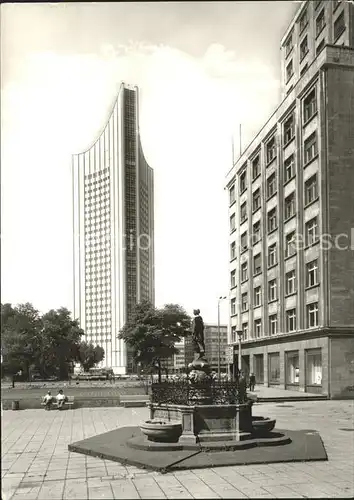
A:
(113, 224)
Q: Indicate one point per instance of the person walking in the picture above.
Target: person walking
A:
(252, 382)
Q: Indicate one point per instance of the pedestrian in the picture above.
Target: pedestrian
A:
(61, 399)
(48, 400)
(252, 382)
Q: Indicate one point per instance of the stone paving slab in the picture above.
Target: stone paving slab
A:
(30, 474)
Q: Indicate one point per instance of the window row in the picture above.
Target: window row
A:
(311, 279)
(312, 320)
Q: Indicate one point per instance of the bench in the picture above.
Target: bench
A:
(70, 401)
(134, 401)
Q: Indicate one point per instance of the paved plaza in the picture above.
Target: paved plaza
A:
(36, 462)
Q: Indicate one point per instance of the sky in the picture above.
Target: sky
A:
(202, 68)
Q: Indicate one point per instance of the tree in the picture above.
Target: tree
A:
(89, 355)
(20, 327)
(152, 333)
(60, 339)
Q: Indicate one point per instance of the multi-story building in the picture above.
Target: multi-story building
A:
(113, 230)
(291, 216)
(211, 340)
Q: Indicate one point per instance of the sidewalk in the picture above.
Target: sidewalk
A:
(36, 462)
(274, 393)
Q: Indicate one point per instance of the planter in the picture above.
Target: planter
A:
(262, 425)
(15, 405)
(162, 431)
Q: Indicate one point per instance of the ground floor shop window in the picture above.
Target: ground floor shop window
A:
(274, 368)
(259, 368)
(292, 367)
(314, 367)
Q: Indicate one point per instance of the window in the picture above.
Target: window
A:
(244, 271)
(232, 194)
(274, 368)
(311, 191)
(310, 105)
(288, 44)
(243, 212)
(310, 148)
(289, 71)
(272, 290)
(312, 315)
(290, 282)
(257, 328)
(292, 367)
(232, 222)
(303, 21)
(272, 255)
(256, 199)
(311, 232)
(243, 182)
(320, 22)
(233, 334)
(304, 48)
(244, 302)
(289, 168)
(233, 306)
(290, 206)
(290, 247)
(233, 250)
(244, 242)
(257, 296)
(304, 69)
(244, 331)
(272, 220)
(233, 278)
(257, 264)
(256, 232)
(289, 129)
(273, 324)
(339, 26)
(270, 148)
(291, 320)
(271, 185)
(256, 167)
(320, 46)
(312, 273)
(313, 367)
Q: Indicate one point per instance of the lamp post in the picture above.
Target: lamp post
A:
(219, 300)
(239, 335)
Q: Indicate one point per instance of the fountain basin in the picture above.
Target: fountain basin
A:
(161, 431)
(262, 425)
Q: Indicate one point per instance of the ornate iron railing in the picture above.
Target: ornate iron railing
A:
(186, 393)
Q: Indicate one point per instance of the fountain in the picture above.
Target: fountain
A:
(199, 421)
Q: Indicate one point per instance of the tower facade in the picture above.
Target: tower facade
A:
(113, 230)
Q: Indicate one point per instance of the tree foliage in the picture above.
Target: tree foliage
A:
(48, 344)
(152, 332)
(89, 355)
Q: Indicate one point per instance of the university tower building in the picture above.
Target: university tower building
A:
(113, 230)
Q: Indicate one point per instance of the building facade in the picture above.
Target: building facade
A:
(291, 216)
(113, 230)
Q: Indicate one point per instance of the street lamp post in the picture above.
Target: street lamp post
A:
(239, 335)
(219, 341)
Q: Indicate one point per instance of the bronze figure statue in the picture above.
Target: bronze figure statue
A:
(198, 333)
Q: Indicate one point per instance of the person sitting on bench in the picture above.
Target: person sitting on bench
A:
(48, 400)
(61, 399)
